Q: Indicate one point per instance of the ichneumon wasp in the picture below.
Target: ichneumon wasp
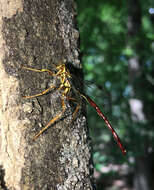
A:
(64, 76)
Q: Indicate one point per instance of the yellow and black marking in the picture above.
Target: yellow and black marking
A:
(63, 74)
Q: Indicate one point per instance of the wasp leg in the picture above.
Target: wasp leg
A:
(52, 120)
(76, 109)
(41, 70)
(40, 94)
(75, 112)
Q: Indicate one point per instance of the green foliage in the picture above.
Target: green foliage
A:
(106, 51)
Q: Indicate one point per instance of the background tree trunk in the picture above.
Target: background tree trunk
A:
(39, 34)
(142, 175)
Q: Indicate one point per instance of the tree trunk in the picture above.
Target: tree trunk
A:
(39, 34)
(142, 174)
(135, 42)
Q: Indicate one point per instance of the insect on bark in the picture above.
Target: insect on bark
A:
(63, 74)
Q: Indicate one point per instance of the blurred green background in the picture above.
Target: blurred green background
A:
(117, 43)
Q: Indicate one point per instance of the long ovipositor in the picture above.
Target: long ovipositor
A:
(99, 112)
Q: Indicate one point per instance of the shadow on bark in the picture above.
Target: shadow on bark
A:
(2, 182)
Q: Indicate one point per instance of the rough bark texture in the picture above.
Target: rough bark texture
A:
(39, 34)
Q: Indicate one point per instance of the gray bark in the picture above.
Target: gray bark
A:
(39, 34)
